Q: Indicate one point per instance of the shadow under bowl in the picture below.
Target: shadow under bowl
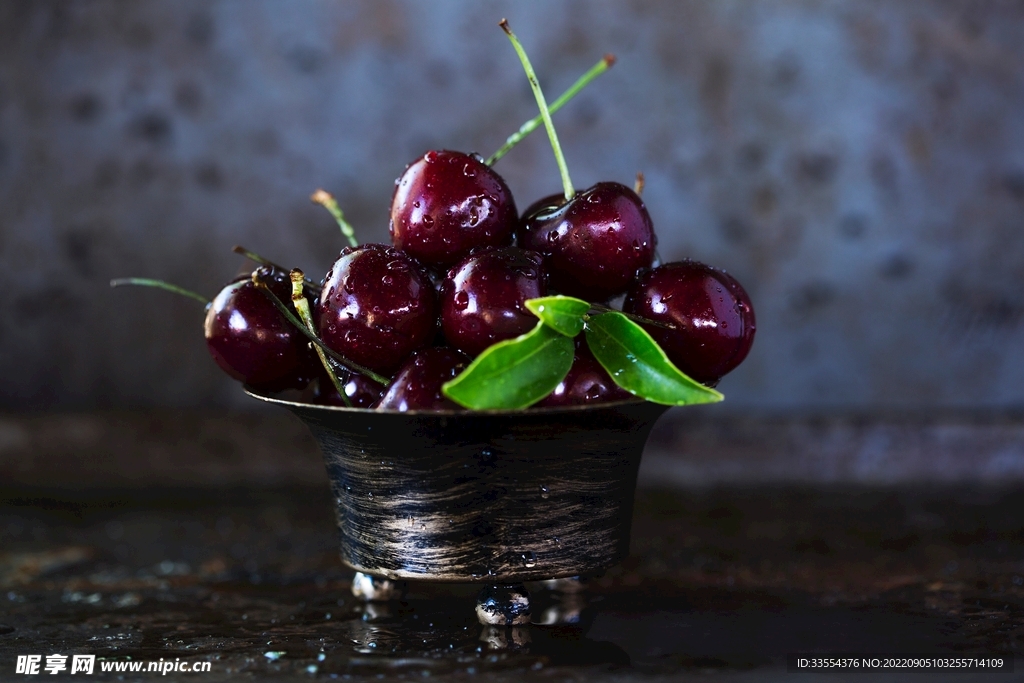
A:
(482, 496)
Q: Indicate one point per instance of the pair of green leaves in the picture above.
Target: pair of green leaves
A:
(517, 373)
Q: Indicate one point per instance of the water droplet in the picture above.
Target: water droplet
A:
(461, 299)
(428, 221)
(416, 204)
(430, 157)
(544, 492)
(370, 495)
(529, 559)
(468, 171)
(593, 198)
(387, 281)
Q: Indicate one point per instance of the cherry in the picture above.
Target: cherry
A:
(417, 386)
(447, 203)
(712, 314)
(587, 382)
(595, 243)
(251, 341)
(377, 306)
(362, 392)
(483, 298)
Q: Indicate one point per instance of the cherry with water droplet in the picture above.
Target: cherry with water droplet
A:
(374, 325)
(710, 311)
(250, 339)
(447, 203)
(417, 385)
(587, 383)
(483, 298)
(595, 243)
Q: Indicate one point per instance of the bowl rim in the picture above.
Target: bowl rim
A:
(449, 412)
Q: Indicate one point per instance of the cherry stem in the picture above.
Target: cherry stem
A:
(327, 200)
(159, 284)
(606, 63)
(545, 113)
(256, 258)
(290, 317)
(638, 184)
(302, 308)
(635, 318)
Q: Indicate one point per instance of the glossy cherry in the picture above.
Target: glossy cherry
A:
(587, 382)
(250, 339)
(448, 203)
(595, 243)
(417, 385)
(713, 316)
(483, 298)
(361, 391)
(377, 306)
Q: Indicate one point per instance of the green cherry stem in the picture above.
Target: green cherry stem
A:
(606, 63)
(290, 317)
(327, 200)
(159, 284)
(567, 185)
(301, 304)
(254, 257)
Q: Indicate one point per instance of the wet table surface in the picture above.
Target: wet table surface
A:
(723, 582)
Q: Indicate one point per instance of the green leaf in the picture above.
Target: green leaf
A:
(514, 373)
(637, 364)
(564, 314)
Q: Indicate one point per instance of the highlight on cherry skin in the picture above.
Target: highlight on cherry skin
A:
(377, 306)
(252, 342)
(483, 299)
(710, 310)
(448, 203)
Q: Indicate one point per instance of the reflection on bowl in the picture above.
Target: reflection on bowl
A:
(485, 497)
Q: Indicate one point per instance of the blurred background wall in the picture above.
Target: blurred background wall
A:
(858, 166)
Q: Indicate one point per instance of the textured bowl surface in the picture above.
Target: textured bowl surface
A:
(482, 496)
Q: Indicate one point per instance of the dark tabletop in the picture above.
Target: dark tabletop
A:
(725, 580)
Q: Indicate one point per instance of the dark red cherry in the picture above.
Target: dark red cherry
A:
(713, 317)
(417, 386)
(447, 203)
(482, 298)
(587, 382)
(362, 392)
(595, 243)
(250, 339)
(377, 306)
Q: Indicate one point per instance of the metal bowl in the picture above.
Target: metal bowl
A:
(482, 497)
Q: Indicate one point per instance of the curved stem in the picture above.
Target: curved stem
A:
(567, 185)
(327, 200)
(159, 284)
(254, 257)
(606, 63)
(290, 317)
(302, 308)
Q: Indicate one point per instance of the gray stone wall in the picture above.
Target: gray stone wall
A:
(859, 166)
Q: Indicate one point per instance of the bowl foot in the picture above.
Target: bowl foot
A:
(376, 589)
(503, 605)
